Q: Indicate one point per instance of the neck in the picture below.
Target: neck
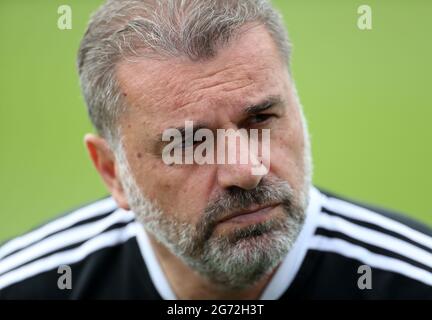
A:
(189, 285)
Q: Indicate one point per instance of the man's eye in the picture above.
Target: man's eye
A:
(260, 118)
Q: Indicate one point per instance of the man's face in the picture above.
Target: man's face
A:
(194, 199)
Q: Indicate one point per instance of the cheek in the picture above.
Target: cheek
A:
(180, 191)
(287, 152)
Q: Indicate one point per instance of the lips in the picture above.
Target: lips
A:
(255, 210)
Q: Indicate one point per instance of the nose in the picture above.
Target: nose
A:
(231, 175)
(238, 173)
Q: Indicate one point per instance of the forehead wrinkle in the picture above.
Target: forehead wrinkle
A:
(175, 84)
(227, 74)
(225, 80)
(189, 82)
(203, 95)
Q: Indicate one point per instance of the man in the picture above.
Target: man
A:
(198, 229)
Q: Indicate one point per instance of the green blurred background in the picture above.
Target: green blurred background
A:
(366, 94)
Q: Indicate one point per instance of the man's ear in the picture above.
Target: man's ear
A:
(105, 163)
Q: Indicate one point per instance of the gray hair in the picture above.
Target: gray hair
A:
(123, 29)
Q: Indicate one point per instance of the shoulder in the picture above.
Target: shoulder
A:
(83, 238)
(397, 249)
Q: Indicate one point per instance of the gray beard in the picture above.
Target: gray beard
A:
(231, 261)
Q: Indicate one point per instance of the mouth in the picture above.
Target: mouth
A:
(254, 214)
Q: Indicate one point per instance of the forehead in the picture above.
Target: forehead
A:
(243, 72)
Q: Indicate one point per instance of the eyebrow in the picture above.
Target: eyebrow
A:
(263, 106)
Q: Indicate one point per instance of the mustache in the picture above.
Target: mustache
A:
(266, 193)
